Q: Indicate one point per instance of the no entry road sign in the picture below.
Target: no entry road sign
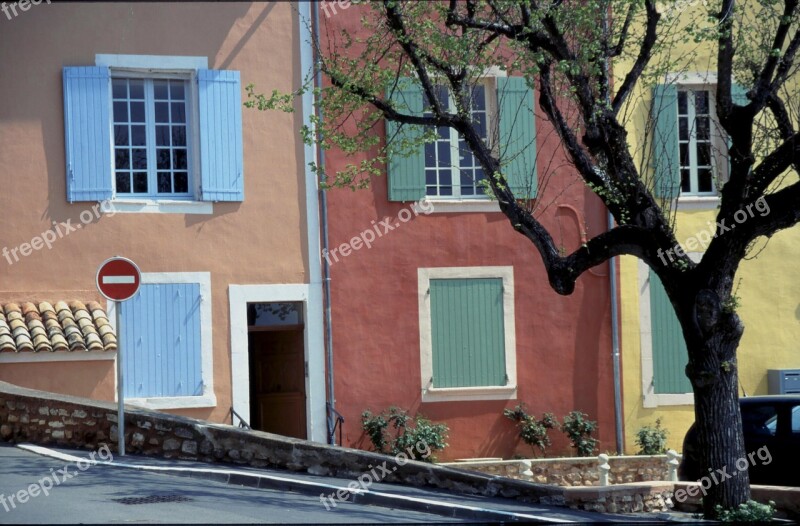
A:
(118, 278)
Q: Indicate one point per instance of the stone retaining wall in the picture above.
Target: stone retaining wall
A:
(575, 471)
(33, 416)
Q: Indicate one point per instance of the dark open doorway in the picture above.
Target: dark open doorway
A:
(276, 350)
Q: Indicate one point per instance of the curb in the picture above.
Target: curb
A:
(355, 496)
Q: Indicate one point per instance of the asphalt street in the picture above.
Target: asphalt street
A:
(96, 495)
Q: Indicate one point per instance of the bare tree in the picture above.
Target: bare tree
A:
(566, 51)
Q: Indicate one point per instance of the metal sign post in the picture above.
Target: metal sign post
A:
(118, 279)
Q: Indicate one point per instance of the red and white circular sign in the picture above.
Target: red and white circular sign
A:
(118, 279)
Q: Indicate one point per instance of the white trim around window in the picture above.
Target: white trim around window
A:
(148, 66)
(432, 394)
(649, 397)
(208, 398)
(444, 206)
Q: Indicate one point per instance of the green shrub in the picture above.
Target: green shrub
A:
(532, 431)
(579, 429)
(393, 432)
(750, 511)
(652, 440)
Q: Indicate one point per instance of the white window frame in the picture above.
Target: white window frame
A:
(691, 117)
(162, 66)
(704, 80)
(452, 394)
(208, 398)
(650, 398)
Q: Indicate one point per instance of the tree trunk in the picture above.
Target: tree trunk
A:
(713, 372)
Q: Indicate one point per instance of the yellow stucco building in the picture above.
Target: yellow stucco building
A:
(653, 354)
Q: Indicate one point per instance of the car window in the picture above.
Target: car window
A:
(796, 419)
(760, 420)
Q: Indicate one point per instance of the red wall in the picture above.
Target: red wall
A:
(563, 343)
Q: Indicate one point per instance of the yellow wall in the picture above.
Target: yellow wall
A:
(769, 291)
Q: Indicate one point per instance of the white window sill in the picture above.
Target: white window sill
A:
(159, 206)
(174, 402)
(698, 202)
(57, 356)
(454, 394)
(652, 400)
(443, 206)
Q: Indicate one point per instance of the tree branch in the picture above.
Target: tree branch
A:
(643, 58)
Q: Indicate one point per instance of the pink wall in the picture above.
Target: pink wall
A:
(563, 343)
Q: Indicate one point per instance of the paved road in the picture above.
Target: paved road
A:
(90, 497)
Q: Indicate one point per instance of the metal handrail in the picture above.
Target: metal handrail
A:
(242, 422)
(337, 423)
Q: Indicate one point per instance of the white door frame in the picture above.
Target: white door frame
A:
(314, 355)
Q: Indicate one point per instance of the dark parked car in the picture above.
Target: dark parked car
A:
(771, 426)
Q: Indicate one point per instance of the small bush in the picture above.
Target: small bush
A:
(652, 440)
(532, 431)
(750, 511)
(579, 429)
(393, 432)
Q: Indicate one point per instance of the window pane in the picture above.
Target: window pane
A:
(138, 137)
(179, 159)
(137, 89)
(162, 112)
(137, 111)
(445, 177)
(123, 182)
(444, 133)
(139, 159)
(162, 159)
(176, 89)
(478, 175)
(164, 182)
(179, 136)
(683, 126)
(431, 190)
(430, 155)
(685, 181)
(181, 182)
(684, 154)
(122, 158)
(702, 126)
(160, 90)
(162, 135)
(139, 182)
(479, 120)
(119, 88)
(445, 190)
(121, 136)
(703, 154)
(478, 98)
(704, 183)
(701, 102)
(178, 112)
(444, 154)
(682, 106)
(121, 111)
(467, 182)
(430, 177)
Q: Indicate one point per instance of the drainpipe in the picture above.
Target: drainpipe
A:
(612, 283)
(331, 406)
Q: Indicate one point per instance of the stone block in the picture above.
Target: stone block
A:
(171, 444)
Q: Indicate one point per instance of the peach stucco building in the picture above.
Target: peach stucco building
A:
(122, 132)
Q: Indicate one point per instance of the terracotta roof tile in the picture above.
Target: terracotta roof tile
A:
(67, 326)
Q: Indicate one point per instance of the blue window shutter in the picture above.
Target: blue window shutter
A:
(221, 157)
(162, 351)
(669, 348)
(517, 135)
(406, 170)
(468, 332)
(667, 176)
(87, 133)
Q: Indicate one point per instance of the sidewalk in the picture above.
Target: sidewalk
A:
(410, 498)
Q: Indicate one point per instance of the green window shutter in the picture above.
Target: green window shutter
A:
(517, 135)
(406, 169)
(669, 348)
(468, 334)
(666, 160)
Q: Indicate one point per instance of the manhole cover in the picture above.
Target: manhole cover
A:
(153, 499)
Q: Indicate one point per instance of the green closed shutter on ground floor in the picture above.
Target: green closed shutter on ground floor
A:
(669, 348)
